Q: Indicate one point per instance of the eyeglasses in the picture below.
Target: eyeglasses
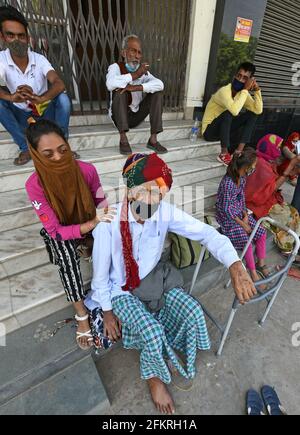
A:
(12, 36)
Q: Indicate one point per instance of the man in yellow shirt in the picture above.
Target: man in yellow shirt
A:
(223, 118)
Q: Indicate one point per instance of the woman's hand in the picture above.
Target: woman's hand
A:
(242, 283)
(112, 326)
(106, 215)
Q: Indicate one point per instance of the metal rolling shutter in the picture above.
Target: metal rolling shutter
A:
(278, 50)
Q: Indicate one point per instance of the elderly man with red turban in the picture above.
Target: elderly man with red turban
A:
(138, 293)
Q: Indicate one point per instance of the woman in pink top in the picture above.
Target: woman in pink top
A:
(65, 194)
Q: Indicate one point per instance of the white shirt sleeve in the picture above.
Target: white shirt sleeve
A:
(101, 284)
(219, 246)
(115, 80)
(151, 84)
(45, 65)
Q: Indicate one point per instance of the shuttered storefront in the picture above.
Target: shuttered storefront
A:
(277, 54)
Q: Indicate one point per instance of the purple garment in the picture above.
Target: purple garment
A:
(46, 213)
(231, 204)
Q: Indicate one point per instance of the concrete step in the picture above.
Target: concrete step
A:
(89, 137)
(16, 211)
(107, 161)
(35, 365)
(98, 119)
(22, 249)
(38, 293)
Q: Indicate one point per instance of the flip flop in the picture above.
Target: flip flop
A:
(272, 401)
(265, 270)
(255, 405)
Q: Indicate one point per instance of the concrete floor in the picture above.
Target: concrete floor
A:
(253, 357)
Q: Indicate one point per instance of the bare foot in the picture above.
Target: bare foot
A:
(161, 396)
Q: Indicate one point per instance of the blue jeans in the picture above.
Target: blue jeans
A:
(14, 120)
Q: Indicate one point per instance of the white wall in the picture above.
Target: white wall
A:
(202, 21)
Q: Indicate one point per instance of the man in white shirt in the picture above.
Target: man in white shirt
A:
(26, 75)
(126, 253)
(135, 94)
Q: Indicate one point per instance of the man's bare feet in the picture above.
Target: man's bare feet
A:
(161, 396)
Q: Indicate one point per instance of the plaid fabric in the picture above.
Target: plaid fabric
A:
(180, 326)
(231, 204)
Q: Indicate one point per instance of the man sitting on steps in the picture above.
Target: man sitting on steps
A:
(26, 75)
(128, 82)
(223, 119)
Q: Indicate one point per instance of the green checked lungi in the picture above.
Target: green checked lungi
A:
(180, 325)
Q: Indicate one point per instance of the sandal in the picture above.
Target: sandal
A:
(263, 270)
(23, 159)
(254, 405)
(87, 334)
(272, 401)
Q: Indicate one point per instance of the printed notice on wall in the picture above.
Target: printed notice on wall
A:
(243, 30)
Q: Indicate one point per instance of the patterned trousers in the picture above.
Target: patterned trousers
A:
(179, 326)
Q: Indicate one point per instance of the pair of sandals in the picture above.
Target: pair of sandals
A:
(269, 401)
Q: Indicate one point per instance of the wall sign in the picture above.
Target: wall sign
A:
(243, 30)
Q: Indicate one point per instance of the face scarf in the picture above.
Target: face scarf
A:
(268, 148)
(65, 188)
(139, 169)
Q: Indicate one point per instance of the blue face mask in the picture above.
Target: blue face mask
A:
(237, 85)
(131, 68)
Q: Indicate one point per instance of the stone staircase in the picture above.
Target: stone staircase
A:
(30, 290)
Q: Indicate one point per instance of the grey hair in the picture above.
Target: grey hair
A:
(127, 39)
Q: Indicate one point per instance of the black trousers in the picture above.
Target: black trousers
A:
(65, 256)
(125, 119)
(231, 130)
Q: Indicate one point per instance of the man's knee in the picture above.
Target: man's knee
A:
(119, 98)
(63, 101)
(252, 115)
(157, 97)
(227, 115)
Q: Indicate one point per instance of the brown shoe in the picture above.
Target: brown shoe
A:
(125, 149)
(24, 157)
(157, 148)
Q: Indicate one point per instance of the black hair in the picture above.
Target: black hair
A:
(36, 130)
(8, 13)
(239, 161)
(248, 67)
